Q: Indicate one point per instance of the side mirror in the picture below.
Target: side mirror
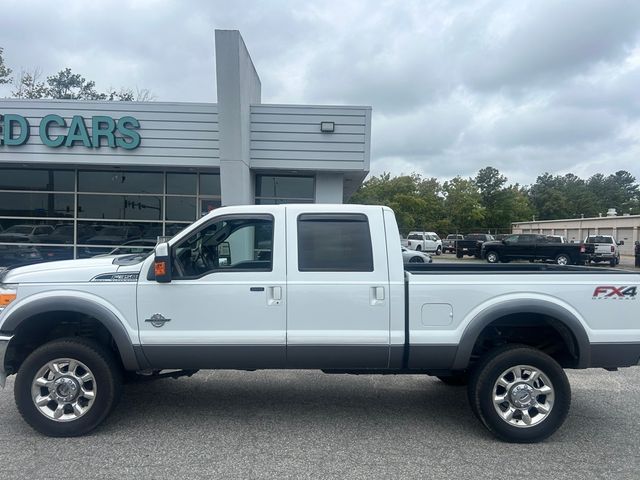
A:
(162, 263)
(621, 242)
(224, 254)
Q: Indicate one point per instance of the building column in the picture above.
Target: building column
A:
(329, 187)
(238, 87)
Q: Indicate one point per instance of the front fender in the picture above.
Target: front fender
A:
(544, 306)
(71, 301)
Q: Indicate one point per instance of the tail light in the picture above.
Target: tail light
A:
(583, 249)
(613, 249)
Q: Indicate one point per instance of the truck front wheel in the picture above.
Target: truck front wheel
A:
(563, 259)
(520, 394)
(67, 387)
(492, 257)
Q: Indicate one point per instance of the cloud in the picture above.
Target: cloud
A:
(527, 87)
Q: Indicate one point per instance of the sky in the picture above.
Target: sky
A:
(526, 87)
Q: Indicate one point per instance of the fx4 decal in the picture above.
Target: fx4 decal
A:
(609, 292)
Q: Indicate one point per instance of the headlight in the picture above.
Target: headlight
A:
(8, 293)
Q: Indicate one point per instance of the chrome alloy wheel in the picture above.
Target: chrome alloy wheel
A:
(492, 257)
(523, 396)
(64, 390)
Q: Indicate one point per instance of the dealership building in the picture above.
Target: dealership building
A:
(83, 177)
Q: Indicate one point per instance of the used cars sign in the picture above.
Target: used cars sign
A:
(105, 131)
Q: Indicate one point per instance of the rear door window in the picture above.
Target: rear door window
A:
(334, 243)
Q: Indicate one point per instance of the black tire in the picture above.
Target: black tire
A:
(492, 256)
(455, 380)
(459, 255)
(438, 251)
(563, 259)
(484, 379)
(108, 384)
(613, 262)
(416, 259)
(419, 248)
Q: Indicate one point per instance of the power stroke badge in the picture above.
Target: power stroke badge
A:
(611, 292)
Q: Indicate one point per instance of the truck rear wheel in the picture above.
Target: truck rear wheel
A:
(67, 387)
(520, 394)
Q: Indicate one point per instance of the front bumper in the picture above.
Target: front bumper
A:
(4, 344)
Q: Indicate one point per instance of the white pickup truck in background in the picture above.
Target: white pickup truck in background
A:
(309, 287)
(425, 242)
(605, 249)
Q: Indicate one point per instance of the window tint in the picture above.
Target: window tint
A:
(241, 244)
(527, 239)
(334, 242)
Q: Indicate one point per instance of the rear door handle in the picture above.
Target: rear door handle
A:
(256, 289)
(274, 296)
(377, 295)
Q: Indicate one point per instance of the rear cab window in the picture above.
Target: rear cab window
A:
(599, 239)
(334, 243)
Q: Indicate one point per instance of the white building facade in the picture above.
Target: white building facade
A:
(81, 177)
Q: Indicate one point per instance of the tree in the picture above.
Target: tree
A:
(416, 201)
(29, 85)
(72, 86)
(463, 205)
(5, 72)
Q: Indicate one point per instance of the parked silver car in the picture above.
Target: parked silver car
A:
(414, 256)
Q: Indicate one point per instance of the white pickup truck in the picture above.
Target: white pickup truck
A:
(309, 287)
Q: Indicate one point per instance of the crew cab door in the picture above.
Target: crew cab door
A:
(225, 306)
(337, 289)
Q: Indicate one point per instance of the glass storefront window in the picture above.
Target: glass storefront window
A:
(181, 183)
(37, 179)
(210, 184)
(116, 181)
(100, 210)
(284, 189)
(109, 235)
(208, 205)
(120, 207)
(26, 204)
(181, 208)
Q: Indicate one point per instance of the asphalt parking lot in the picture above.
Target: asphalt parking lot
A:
(305, 424)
